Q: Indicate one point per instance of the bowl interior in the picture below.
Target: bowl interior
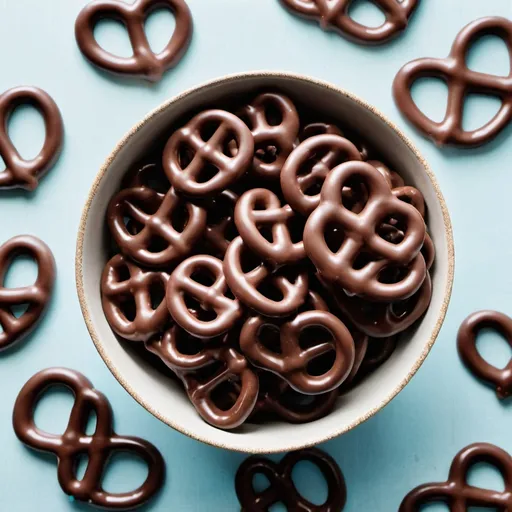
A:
(161, 395)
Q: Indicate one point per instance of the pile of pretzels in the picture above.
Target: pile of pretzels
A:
(269, 260)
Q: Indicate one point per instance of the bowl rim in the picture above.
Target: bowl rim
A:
(127, 138)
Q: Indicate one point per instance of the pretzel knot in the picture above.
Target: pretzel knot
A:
(261, 208)
(282, 488)
(335, 14)
(35, 296)
(308, 166)
(500, 378)
(165, 227)
(292, 362)
(21, 173)
(187, 281)
(133, 299)
(75, 442)
(232, 368)
(274, 139)
(245, 284)
(461, 81)
(456, 492)
(199, 159)
(364, 257)
(143, 63)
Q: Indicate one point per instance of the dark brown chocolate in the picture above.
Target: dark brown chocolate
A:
(36, 296)
(74, 442)
(21, 173)
(144, 62)
(461, 82)
(282, 488)
(456, 492)
(220, 224)
(499, 378)
(334, 15)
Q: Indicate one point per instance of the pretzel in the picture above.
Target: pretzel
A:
(500, 378)
(319, 155)
(245, 284)
(360, 234)
(183, 283)
(273, 142)
(75, 442)
(188, 157)
(155, 241)
(334, 14)
(282, 488)
(260, 208)
(456, 492)
(461, 81)
(138, 289)
(393, 178)
(220, 223)
(36, 296)
(150, 175)
(292, 360)
(18, 172)
(144, 63)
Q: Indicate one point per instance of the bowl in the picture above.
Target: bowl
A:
(162, 396)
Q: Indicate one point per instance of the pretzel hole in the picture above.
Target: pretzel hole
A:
(180, 217)
(207, 172)
(53, 409)
(224, 395)
(390, 233)
(479, 109)
(208, 129)
(431, 97)
(185, 154)
(273, 114)
(132, 226)
(157, 244)
(187, 344)
(295, 226)
(128, 308)
(493, 347)
(157, 294)
(489, 54)
(230, 146)
(266, 233)
(21, 272)
(270, 337)
(249, 261)
(354, 195)
(260, 482)
(19, 310)
(392, 274)
(203, 276)
(159, 27)
(26, 130)
(377, 353)
(80, 463)
(439, 506)
(334, 236)
(402, 308)
(124, 472)
(308, 477)
(485, 476)
(112, 36)
(122, 273)
(313, 336)
(270, 290)
(199, 310)
(266, 152)
(367, 13)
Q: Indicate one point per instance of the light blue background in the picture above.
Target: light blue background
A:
(443, 409)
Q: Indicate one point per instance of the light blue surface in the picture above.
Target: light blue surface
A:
(444, 408)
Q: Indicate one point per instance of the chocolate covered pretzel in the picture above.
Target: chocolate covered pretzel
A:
(333, 14)
(144, 63)
(36, 296)
(461, 82)
(75, 442)
(19, 172)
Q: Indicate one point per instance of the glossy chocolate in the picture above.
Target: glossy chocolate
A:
(128, 295)
(461, 82)
(334, 14)
(282, 488)
(360, 232)
(499, 378)
(74, 442)
(456, 492)
(188, 156)
(18, 172)
(144, 63)
(36, 296)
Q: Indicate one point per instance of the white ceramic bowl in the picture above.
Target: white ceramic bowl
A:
(162, 396)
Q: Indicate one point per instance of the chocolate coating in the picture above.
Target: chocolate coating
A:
(333, 14)
(74, 442)
(188, 156)
(499, 378)
(120, 293)
(456, 492)
(359, 232)
(282, 489)
(144, 63)
(36, 296)
(461, 82)
(21, 173)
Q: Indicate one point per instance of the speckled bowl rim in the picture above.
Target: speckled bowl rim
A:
(126, 140)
